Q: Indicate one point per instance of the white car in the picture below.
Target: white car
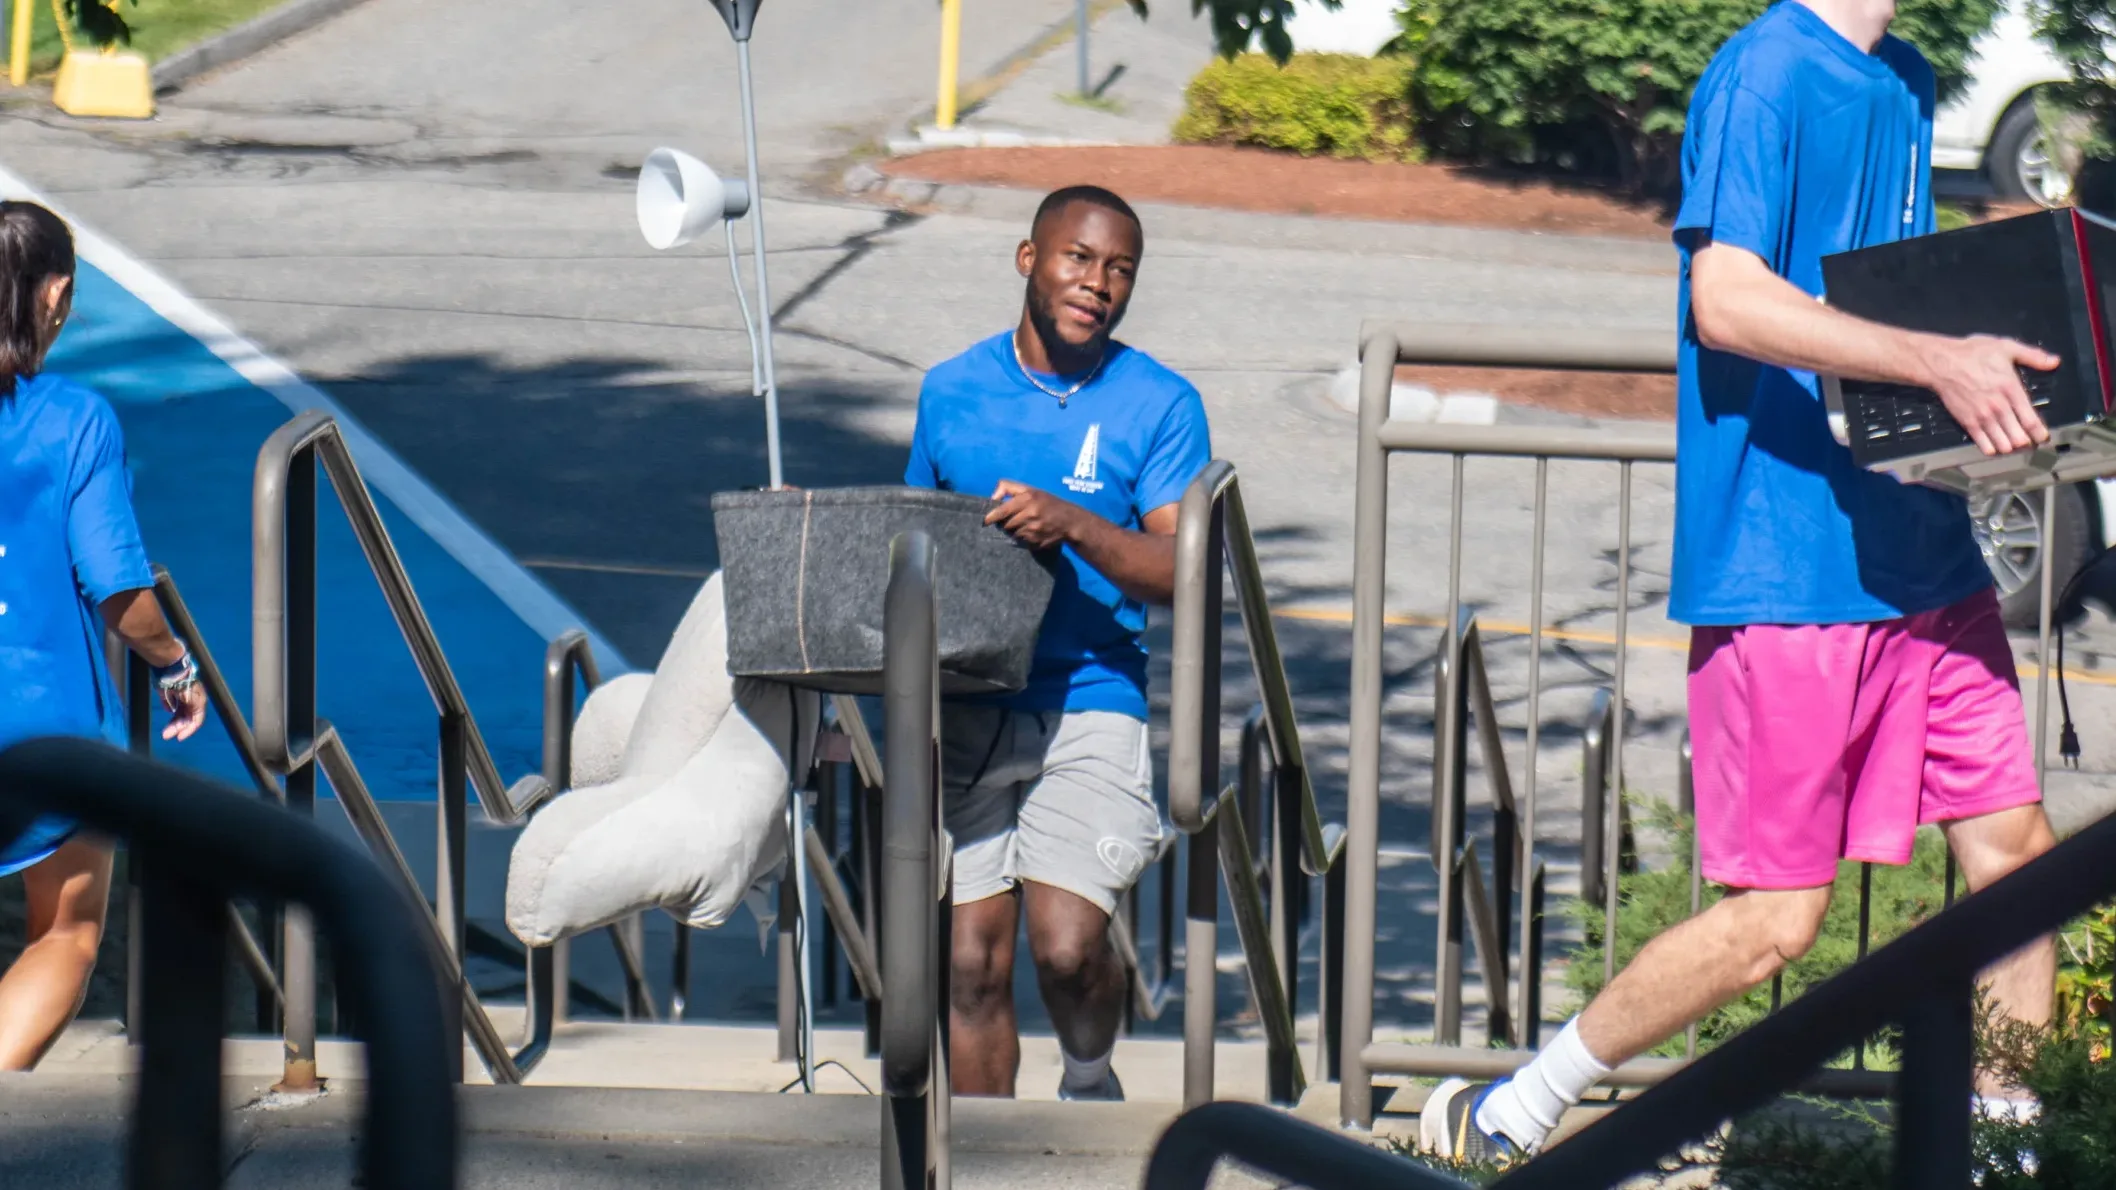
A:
(1990, 126)
(2010, 531)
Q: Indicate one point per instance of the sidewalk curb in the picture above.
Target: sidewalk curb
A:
(258, 33)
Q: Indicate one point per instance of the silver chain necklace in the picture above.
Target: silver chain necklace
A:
(1046, 389)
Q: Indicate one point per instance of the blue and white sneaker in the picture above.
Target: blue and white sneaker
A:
(1448, 1125)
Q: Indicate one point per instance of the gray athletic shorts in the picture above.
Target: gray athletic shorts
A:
(1063, 798)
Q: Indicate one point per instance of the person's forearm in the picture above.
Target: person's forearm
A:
(1760, 316)
(1142, 565)
(136, 616)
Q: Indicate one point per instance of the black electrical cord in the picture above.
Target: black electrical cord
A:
(2067, 737)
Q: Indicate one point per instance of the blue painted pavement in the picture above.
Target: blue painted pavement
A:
(193, 427)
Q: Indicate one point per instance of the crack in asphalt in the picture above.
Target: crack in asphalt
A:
(856, 248)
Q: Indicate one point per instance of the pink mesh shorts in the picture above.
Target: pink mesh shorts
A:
(1815, 743)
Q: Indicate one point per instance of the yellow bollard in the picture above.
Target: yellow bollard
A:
(18, 48)
(950, 60)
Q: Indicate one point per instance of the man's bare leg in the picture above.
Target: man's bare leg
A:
(1081, 979)
(2023, 985)
(1680, 976)
(1696, 966)
(984, 1045)
(68, 894)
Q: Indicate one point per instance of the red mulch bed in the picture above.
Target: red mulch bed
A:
(1283, 183)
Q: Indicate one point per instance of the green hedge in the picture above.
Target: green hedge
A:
(1316, 104)
(1497, 76)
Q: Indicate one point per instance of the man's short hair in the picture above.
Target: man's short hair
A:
(1058, 200)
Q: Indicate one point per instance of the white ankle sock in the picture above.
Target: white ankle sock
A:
(1084, 1074)
(1526, 1108)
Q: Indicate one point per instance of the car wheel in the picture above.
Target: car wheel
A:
(2024, 164)
(2009, 530)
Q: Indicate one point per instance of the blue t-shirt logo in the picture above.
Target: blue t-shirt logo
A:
(1083, 479)
(1128, 442)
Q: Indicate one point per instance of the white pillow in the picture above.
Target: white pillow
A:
(690, 817)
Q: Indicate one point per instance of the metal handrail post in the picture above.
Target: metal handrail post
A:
(1362, 857)
(549, 974)
(1199, 727)
(451, 856)
(789, 969)
(909, 881)
(292, 740)
(1194, 739)
(283, 657)
(1289, 885)
(1212, 540)
(1450, 829)
(1329, 994)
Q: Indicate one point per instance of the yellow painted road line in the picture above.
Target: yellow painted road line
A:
(1334, 615)
(1331, 615)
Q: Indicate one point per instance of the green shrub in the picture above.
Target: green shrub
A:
(1334, 104)
(1496, 76)
(2086, 980)
(2070, 1145)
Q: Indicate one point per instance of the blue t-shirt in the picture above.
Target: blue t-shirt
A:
(1129, 442)
(68, 541)
(1800, 145)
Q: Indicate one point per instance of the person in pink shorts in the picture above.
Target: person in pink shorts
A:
(1850, 679)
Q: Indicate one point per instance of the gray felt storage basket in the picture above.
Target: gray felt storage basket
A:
(806, 572)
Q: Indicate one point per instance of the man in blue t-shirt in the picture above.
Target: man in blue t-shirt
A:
(1850, 678)
(1088, 445)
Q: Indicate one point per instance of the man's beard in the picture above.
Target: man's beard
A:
(1067, 358)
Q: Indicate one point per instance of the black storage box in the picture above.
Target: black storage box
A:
(806, 573)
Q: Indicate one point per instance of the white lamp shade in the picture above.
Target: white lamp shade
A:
(680, 198)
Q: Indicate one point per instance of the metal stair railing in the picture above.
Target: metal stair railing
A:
(1606, 843)
(293, 741)
(297, 744)
(1212, 537)
(199, 844)
(916, 904)
(1463, 695)
(1924, 982)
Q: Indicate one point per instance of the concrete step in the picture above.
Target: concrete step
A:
(62, 1132)
(699, 1057)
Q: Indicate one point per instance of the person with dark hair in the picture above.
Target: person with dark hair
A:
(71, 564)
(1086, 446)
